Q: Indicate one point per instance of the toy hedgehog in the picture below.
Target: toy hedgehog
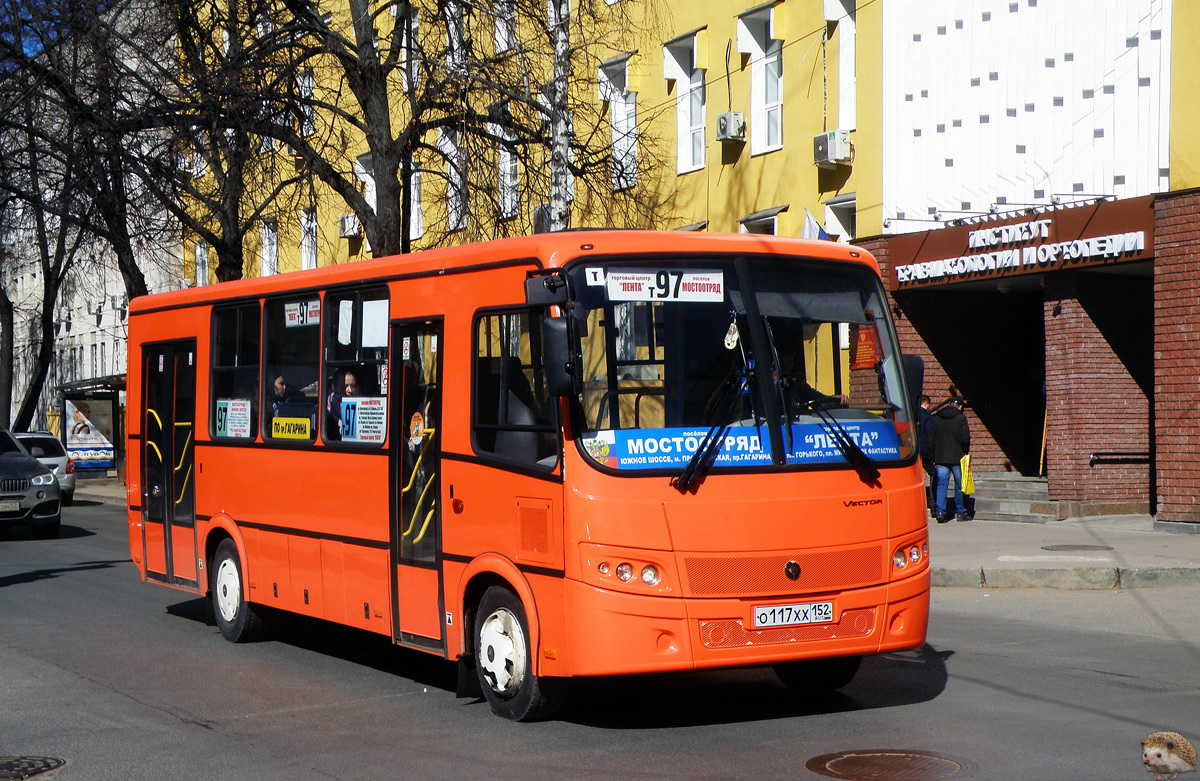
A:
(1168, 752)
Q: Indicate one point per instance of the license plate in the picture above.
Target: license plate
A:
(9, 507)
(790, 615)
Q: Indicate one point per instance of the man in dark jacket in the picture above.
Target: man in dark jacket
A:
(951, 441)
(925, 442)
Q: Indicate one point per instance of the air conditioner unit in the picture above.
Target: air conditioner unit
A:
(95, 307)
(348, 226)
(731, 126)
(832, 149)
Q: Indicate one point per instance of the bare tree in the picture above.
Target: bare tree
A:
(455, 93)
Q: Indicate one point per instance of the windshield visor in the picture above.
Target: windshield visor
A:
(713, 354)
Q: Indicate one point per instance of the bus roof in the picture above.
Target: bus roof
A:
(547, 249)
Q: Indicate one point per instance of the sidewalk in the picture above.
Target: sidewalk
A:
(1107, 552)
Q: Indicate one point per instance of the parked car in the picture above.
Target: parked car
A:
(28, 490)
(47, 448)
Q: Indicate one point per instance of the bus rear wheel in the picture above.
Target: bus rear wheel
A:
(239, 620)
(504, 664)
(818, 676)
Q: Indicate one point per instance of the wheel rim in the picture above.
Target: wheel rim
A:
(502, 652)
(229, 590)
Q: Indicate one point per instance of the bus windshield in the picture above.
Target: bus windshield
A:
(738, 363)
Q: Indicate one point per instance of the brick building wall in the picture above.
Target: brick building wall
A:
(1099, 370)
(1177, 355)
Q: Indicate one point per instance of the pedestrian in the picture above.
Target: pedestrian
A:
(925, 445)
(951, 441)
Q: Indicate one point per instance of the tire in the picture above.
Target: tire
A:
(45, 530)
(504, 664)
(239, 621)
(818, 676)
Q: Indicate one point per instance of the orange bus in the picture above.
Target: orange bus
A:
(574, 454)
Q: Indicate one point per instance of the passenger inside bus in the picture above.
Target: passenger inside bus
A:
(344, 384)
(788, 339)
(282, 392)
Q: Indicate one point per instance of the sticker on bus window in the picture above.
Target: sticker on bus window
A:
(364, 419)
(291, 428)
(233, 418)
(672, 448)
(665, 285)
(298, 313)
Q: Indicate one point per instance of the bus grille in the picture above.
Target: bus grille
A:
(14, 485)
(732, 634)
(764, 575)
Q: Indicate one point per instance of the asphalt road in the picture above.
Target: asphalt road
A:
(126, 680)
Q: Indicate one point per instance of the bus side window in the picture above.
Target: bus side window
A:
(356, 366)
(292, 382)
(233, 410)
(512, 416)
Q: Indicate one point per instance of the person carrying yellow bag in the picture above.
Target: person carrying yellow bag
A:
(951, 442)
(968, 483)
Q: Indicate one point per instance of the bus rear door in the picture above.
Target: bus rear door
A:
(416, 532)
(168, 455)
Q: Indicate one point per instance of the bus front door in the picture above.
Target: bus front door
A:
(416, 531)
(168, 451)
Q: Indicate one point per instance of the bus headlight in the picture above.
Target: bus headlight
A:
(624, 572)
(900, 560)
(650, 575)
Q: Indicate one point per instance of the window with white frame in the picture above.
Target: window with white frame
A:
(201, 263)
(679, 65)
(506, 25)
(416, 220)
(844, 14)
(456, 185)
(308, 111)
(764, 222)
(756, 37)
(508, 173)
(841, 218)
(454, 34)
(614, 89)
(308, 238)
(270, 248)
(409, 66)
(264, 24)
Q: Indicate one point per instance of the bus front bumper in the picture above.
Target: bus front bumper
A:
(611, 633)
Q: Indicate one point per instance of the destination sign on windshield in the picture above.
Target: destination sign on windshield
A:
(659, 284)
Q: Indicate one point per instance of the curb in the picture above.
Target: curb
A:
(1081, 579)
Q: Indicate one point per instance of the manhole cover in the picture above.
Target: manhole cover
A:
(24, 767)
(1063, 548)
(890, 765)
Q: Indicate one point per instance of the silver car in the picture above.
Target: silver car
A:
(47, 448)
(28, 490)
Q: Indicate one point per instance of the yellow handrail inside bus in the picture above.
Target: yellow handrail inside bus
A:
(183, 487)
(424, 527)
(417, 507)
(183, 452)
(156, 450)
(417, 466)
(150, 411)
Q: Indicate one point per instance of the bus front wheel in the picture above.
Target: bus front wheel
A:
(503, 662)
(816, 676)
(238, 620)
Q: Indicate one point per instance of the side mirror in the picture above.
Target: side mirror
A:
(914, 378)
(563, 376)
(546, 289)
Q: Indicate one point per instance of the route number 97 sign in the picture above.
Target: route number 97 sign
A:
(659, 284)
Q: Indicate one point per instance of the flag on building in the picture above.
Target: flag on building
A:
(812, 229)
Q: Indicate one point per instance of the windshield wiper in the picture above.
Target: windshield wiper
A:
(854, 455)
(702, 460)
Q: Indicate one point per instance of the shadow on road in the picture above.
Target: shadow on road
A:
(32, 576)
(65, 532)
(636, 701)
